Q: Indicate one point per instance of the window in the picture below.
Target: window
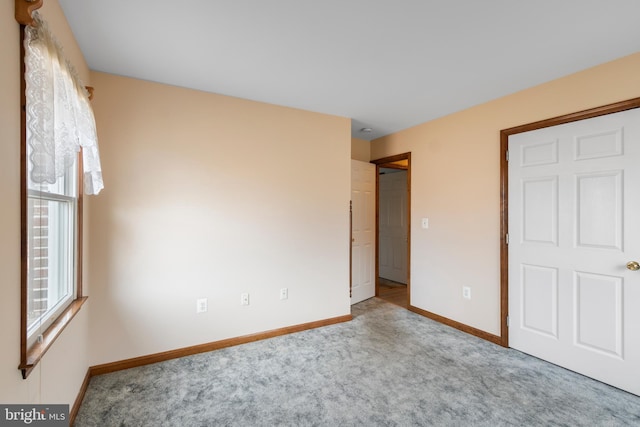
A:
(51, 249)
(60, 162)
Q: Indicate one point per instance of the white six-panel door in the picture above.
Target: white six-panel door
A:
(574, 215)
(363, 217)
(393, 226)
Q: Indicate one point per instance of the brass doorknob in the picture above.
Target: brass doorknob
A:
(633, 266)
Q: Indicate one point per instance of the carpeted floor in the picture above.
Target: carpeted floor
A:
(387, 367)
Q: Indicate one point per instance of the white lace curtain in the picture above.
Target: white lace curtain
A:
(59, 116)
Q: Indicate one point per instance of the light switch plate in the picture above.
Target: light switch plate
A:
(201, 305)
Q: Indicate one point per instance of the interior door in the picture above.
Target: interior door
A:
(574, 209)
(363, 217)
(393, 227)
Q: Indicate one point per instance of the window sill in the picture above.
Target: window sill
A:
(37, 351)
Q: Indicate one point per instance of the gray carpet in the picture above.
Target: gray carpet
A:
(387, 367)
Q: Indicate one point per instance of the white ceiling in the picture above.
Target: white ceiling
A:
(387, 64)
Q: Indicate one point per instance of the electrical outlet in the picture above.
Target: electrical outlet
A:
(284, 293)
(201, 305)
(466, 292)
(244, 299)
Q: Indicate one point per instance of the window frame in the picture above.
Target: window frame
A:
(61, 259)
(32, 353)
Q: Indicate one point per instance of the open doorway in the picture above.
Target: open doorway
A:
(393, 213)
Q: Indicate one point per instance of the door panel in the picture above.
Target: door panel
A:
(363, 215)
(599, 210)
(540, 210)
(598, 304)
(540, 299)
(574, 200)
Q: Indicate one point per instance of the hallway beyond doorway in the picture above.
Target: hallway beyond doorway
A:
(393, 292)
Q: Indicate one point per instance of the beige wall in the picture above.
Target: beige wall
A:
(208, 196)
(360, 149)
(455, 183)
(58, 377)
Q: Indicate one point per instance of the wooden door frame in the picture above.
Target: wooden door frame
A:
(504, 190)
(387, 162)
